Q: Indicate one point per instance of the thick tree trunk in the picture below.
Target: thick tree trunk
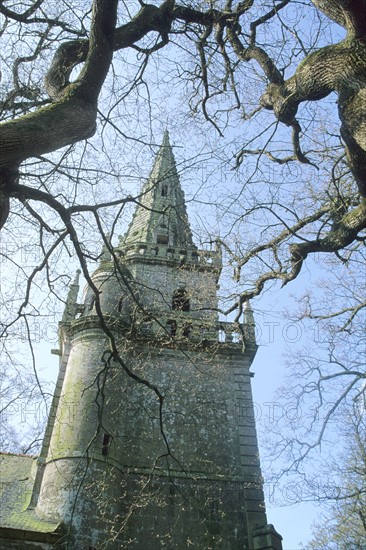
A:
(72, 117)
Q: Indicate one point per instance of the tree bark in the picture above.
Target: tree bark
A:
(339, 68)
(71, 118)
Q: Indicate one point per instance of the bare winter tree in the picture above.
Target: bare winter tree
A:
(344, 523)
(307, 429)
(231, 45)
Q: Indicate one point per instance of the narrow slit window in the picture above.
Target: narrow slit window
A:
(164, 190)
(107, 439)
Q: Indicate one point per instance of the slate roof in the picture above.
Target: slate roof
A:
(162, 208)
(16, 483)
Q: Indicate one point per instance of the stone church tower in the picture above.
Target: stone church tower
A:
(151, 441)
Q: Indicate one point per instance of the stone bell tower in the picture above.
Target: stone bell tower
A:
(151, 441)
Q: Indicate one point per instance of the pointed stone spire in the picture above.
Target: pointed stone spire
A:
(71, 306)
(161, 217)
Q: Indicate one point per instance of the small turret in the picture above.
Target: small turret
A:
(71, 305)
(105, 255)
(249, 327)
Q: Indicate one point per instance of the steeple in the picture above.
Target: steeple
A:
(161, 216)
(104, 475)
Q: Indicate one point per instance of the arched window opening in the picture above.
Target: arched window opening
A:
(162, 239)
(180, 300)
(164, 189)
(107, 440)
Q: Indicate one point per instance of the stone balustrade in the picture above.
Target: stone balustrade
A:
(178, 255)
(181, 327)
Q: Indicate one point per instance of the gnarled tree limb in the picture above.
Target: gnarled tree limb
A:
(69, 119)
(339, 68)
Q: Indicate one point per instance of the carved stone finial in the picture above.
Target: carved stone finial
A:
(249, 325)
(71, 306)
